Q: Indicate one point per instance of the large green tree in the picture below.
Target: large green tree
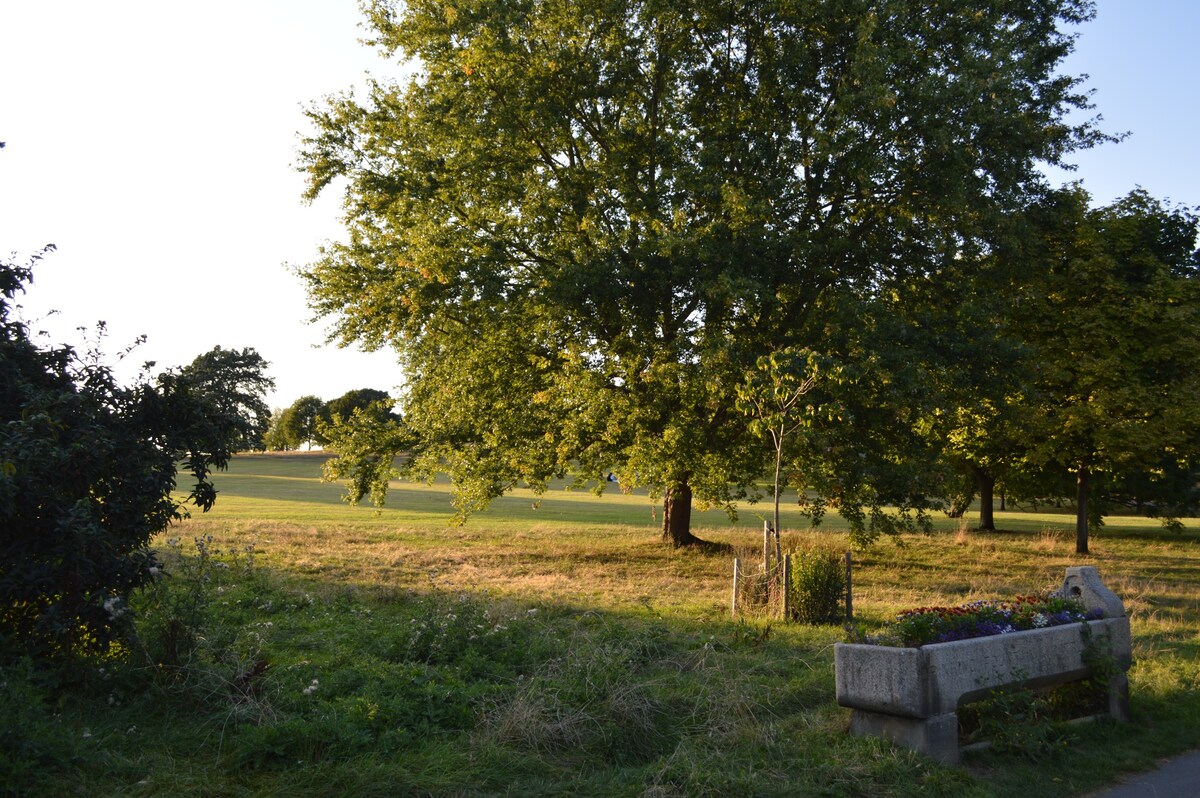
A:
(1111, 311)
(371, 400)
(876, 459)
(976, 371)
(233, 384)
(582, 222)
(275, 438)
(300, 423)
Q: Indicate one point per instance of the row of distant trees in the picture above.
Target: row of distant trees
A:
(309, 421)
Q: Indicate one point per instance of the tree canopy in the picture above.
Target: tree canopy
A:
(1112, 319)
(582, 222)
(232, 385)
(88, 472)
(300, 423)
(361, 399)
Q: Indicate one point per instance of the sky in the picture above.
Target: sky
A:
(154, 143)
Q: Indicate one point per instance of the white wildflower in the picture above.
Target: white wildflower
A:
(113, 607)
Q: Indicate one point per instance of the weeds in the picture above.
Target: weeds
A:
(1017, 721)
(189, 649)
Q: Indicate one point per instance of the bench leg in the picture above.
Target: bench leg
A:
(1118, 697)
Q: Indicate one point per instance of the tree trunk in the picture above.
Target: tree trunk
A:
(987, 491)
(1081, 510)
(778, 466)
(677, 516)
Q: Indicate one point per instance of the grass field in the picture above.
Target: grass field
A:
(554, 649)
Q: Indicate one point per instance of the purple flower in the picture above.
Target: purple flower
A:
(982, 618)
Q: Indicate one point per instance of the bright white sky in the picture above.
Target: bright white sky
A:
(153, 142)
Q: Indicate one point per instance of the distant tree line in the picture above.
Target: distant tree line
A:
(309, 421)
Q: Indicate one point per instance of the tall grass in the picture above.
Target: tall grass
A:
(532, 653)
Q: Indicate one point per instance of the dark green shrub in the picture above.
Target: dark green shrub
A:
(818, 586)
(87, 476)
(34, 743)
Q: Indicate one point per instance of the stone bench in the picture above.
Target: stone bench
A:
(912, 695)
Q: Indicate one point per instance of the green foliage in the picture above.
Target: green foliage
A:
(300, 424)
(231, 386)
(453, 630)
(877, 467)
(176, 634)
(1028, 722)
(818, 586)
(367, 443)
(275, 439)
(582, 222)
(32, 742)
(87, 476)
(309, 421)
(341, 408)
(1113, 324)
(1018, 721)
(772, 394)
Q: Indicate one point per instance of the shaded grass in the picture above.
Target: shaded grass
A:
(522, 655)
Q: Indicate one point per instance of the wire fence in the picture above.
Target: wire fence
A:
(813, 586)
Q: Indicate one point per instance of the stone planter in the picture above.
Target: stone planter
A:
(912, 695)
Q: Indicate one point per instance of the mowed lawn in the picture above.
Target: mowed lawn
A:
(554, 646)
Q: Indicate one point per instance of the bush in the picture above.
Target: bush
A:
(818, 586)
(87, 476)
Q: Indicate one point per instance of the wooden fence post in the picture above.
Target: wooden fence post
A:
(787, 592)
(767, 549)
(849, 588)
(737, 567)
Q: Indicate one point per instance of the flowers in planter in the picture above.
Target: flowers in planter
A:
(925, 625)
